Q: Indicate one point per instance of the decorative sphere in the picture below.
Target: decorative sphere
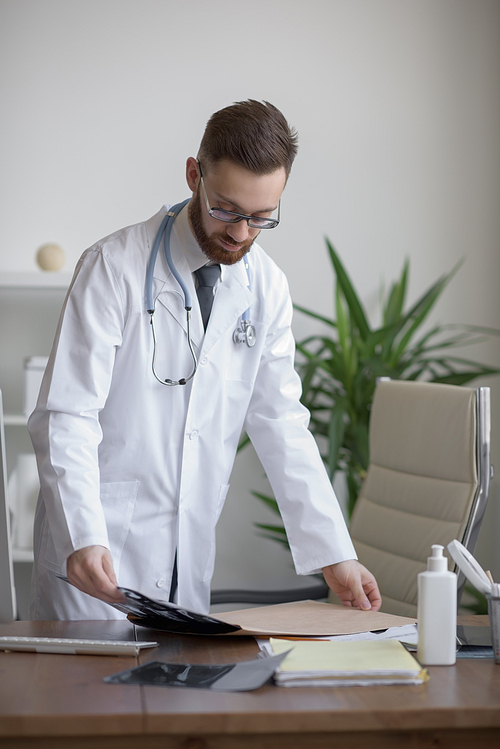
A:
(50, 257)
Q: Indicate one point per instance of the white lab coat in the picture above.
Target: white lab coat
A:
(143, 469)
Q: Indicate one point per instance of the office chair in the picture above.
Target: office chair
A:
(427, 482)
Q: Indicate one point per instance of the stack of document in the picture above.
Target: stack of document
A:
(355, 663)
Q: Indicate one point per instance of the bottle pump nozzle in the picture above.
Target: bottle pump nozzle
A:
(437, 562)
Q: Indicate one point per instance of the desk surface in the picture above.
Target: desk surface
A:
(62, 701)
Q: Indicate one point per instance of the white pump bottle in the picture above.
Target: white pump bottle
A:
(437, 612)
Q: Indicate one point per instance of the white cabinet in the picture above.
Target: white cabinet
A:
(30, 304)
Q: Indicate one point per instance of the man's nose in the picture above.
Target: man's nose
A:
(238, 232)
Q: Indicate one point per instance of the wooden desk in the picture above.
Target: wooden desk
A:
(61, 701)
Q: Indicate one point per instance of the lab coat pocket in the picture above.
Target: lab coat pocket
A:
(209, 568)
(118, 502)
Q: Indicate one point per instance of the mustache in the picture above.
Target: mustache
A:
(228, 240)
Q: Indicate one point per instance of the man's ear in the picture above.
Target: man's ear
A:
(192, 174)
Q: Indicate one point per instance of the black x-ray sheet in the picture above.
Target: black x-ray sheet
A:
(146, 612)
(226, 677)
(167, 616)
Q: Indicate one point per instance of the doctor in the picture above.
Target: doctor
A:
(134, 472)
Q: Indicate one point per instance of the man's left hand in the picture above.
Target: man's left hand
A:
(353, 584)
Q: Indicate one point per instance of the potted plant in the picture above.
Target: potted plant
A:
(339, 369)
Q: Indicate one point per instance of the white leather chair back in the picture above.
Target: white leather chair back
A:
(421, 483)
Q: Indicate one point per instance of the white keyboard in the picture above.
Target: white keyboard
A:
(74, 647)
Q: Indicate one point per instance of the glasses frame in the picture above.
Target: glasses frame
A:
(273, 222)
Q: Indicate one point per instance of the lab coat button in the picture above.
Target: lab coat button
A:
(160, 583)
(193, 435)
(204, 360)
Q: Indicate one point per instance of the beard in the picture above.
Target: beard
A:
(208, 243)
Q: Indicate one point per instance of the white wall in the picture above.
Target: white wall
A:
(397, 106)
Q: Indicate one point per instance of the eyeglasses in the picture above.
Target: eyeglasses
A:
(231, 217)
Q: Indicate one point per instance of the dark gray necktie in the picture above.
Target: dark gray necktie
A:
(207, 277)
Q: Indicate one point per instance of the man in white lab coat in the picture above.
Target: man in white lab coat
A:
(133, 471)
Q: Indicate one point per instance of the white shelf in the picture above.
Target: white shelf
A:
(34, 280)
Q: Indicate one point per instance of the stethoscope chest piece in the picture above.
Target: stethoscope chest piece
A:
(245, 333)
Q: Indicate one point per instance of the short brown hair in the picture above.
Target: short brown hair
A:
(250, 133)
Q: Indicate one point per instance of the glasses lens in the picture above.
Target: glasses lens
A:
(220, 215)
(263, 223)
(232, 218)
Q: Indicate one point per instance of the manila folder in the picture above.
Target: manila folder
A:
(309, 619)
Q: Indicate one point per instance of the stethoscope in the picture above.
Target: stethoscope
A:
(244, 333)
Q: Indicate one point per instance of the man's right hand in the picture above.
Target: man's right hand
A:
(91, 571)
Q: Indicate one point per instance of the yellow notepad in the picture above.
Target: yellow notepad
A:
(353, 663)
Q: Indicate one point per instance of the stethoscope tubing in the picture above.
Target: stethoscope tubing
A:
(245, 333)
(164, 231)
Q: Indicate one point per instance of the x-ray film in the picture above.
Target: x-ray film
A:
(146, 612)
(225, 677)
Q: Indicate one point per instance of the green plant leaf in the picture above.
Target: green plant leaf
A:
(271, 528)
(343, 329)
(480, 605)
(353, 302)
(462, 378)
(336, 431)
(274, 533)
(244, 441)
(268, 501)
(422, 308)
(394, 307)
(278, 539)
(315, 315)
